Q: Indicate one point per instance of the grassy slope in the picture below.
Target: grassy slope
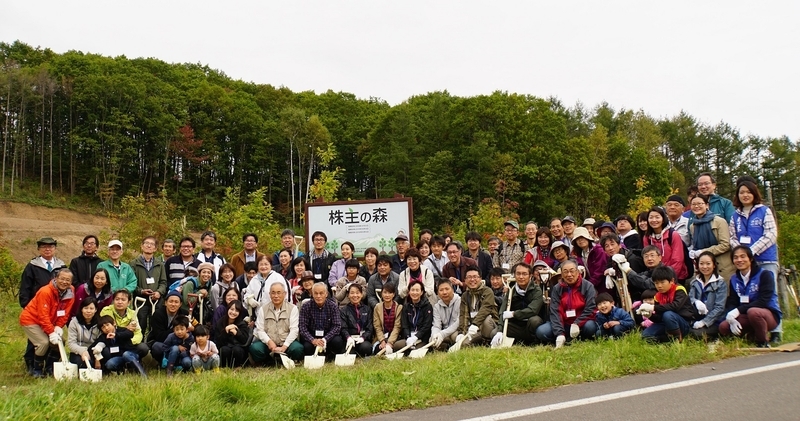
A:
(334, 393)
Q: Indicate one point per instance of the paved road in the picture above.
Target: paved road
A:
(733, 389)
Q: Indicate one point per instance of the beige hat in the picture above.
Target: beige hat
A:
(581, 232)
(588, 221)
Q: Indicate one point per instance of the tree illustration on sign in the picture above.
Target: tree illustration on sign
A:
(382, 244)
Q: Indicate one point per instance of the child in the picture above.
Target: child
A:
(114, 345)
(672, 311)
(496, 283)
(643, 317)
(613, 321)
(205, 355)
(177, 346)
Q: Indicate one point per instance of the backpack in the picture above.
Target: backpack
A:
(178, 285)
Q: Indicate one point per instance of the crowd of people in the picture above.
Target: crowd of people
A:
(705, 270)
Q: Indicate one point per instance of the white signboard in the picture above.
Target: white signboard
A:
(365, 223)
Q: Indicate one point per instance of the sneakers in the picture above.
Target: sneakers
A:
(775, 338)
(763, 345)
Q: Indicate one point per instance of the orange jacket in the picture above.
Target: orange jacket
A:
(48, 308)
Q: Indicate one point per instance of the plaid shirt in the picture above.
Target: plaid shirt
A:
(313, 318)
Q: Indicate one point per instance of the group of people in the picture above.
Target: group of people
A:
(706, 270)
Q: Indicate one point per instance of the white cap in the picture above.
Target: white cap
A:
(113, 243)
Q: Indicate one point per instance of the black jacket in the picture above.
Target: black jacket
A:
(83, 268)
(484, 262)
(223, 338)
(351, 323)
(160, 326)
(423, 313)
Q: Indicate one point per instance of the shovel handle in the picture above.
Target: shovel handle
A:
(62, 352)
(407, 347)
(426, 346)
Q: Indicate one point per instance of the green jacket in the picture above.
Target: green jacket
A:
(485, 306)
(524, 307)
(120, 278)
(158, 272)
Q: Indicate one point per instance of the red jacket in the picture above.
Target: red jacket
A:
(49, 308)
(671, 251)
(579, 298)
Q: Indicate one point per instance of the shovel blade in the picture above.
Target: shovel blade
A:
(418, 353)
(507, 343)
(287, 362)
(65, 371)
(395, 356)
(313, 362)
(90, 375)
(345, 360)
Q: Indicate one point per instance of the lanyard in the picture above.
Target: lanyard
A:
(358, 319)
(415, 318)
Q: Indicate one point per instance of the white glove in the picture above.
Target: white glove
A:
(619, 259)
(582, 269)
(54, 338)
(646, 308)
(701, 307)
(57, 330)
(437, 339)
(508, 314)
(459, 338)
(347, 286)
(251, 301)
(609, 282)
(698, 325)
(473, 330)
(350, 342)
(574, 331)
(610, 272)
(625, 267)
(560, 341)
(736, 327)
(692, 254)
(359, 339)
(389, 349)
(295, 289)
(497, 339)
(412, 340)
(247, 319)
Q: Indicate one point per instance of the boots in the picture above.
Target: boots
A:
(675, 335)
(29, 365)
(138, 366)
(170, 370)
(38, 367)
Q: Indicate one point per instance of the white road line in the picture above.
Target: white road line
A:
(628, 393)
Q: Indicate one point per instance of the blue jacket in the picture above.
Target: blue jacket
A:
(753, 227)
(617, 315)
(713, 295)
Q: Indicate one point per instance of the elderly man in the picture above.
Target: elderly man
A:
(167, 249)
(399, 260)
(249, 253)
(277, 328)
(121, 273)
(151, 277)
(530, 235)
(378, 280)
(456, 269)
(478, 312)
(717, 204)
(572, 306)
(321, 323)
(526, 303)
(511, 251)
(674, 208)
(83, 266)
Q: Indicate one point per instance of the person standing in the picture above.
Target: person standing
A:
(399, 260)
(83, 266)
(321, 260)
(208, 240)
(511, 251)
(720, 206)
(151, 278)
(121, 273)
(176, 265)
(249, 253)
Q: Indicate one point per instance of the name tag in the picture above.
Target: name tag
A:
(150, 281)
(319, 333)
(472, 314)
(61, 313)
(113, 349)
(744, 299)
(745, 239)
(317, 276)
(506, 266)
(570, 313)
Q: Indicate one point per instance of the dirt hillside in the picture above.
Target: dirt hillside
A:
(21, 225)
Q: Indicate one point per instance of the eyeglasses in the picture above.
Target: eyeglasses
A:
(187, 247)
(569, 271)
(705, 183)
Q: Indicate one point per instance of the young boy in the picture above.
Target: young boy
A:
(672, 311)
(116, 347)
(613, 321)
(496, 283)
(177, 346)
(642, 318)
(205, 355)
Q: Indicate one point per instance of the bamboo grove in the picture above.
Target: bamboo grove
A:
(103, 128)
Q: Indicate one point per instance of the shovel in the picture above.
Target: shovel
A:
(201, 298)
(191, 300)
(346, 359)
(400, 352)
(420, 352)
(313, 362)
(457, 346)
(89, 374)
(507, 342)
(286, 361)
(64, 370)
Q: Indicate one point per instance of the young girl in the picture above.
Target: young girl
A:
(98, 288)
(205, 355)
(357, 326)
(708, 293)
(83, 331)
(220, 288)
(231, 294)
(231, 334)
(386, 319)
(669, 242)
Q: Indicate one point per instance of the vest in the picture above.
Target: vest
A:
(753, 227)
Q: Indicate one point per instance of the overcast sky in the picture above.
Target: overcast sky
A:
(731, 61)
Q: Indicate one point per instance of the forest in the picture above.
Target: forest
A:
(109, 127)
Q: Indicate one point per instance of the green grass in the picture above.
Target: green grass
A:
(28, 192)
(370, 387)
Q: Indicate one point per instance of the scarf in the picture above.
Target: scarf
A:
(703, 237)
(667, 297)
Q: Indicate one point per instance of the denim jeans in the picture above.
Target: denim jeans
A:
(546, 335)
(670, 321)
(176, 357)
(115, 363)
(198, 363)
